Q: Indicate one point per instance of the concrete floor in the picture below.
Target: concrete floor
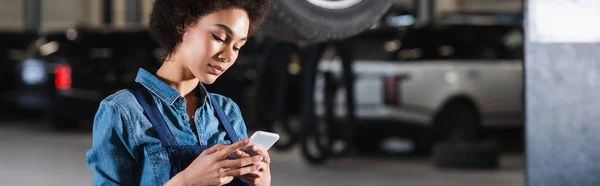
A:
(33, 154)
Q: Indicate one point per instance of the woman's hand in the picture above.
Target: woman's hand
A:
(262, 176)
(213, 167)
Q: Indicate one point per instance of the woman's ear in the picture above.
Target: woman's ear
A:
(180, 30)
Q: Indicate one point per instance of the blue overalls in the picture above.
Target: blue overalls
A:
(180, 157)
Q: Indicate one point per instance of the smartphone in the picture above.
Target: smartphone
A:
(263, 140)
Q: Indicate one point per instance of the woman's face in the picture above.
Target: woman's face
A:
(211, 45)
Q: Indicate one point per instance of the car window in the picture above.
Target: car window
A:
(396, 39)
(466, 42)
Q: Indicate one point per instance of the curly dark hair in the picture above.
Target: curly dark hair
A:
(169, 18)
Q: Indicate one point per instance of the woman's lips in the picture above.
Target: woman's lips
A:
(215, 70)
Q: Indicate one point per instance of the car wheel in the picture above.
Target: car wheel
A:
(458, 121)
(316, 147)
(456, 142)
(337, 138)
(321, 20)
(288, 130)
(465, 155)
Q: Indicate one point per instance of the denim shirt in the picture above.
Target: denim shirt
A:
(126, 149)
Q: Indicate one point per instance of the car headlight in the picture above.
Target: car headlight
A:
(33, 72)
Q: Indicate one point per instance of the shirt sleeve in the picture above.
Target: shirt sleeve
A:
(111, 156)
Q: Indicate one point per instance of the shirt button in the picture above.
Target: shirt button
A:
(180, 101)
(185, 117)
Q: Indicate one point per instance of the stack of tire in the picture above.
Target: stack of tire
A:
(457, 144)
(465, 155)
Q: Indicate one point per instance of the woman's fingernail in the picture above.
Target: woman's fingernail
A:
(254, 148)
(260, 158)
(256, 167)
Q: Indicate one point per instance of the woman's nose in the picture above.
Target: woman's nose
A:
(226, 55)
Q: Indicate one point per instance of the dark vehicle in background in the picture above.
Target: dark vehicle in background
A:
(447, 87)
(91, 64)
(73, 70)
(14, 47)
(66, 74)
(438, 80)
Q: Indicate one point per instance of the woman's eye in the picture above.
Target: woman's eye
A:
(217, 38)
(236, 49)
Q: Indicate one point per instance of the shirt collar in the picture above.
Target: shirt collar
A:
(163, 91)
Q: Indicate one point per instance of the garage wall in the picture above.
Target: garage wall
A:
(63, 14)
(119, 13)
(471, 5)
(407, 3)
(56, 14)
(92, 14)
(11, 16)
(512, 6)
(146, 9)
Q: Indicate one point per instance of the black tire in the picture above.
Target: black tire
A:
(338, 138)
(457, 115)
(465, 155)
(289, 132)
(324, 137)
(316, 150)
(457, 121)
(301, 20)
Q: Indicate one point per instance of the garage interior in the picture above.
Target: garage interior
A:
(430, 92)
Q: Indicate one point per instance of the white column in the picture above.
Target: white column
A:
(119, 14)
(146, 10)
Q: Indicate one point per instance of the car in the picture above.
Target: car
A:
(15, 46)
(431, 84)
(66, 74)
(82, 66)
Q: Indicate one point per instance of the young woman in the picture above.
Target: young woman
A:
(166, 129)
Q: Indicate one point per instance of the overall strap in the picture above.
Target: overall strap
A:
(144, 97)
(223, 118)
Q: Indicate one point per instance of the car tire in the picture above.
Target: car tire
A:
(457, 121)
(465, 155)
(289, 131)
(321, 20)
(316, 147)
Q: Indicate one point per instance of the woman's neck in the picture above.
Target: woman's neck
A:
(178, 77)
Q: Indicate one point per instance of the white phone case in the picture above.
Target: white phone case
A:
(264, 140)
